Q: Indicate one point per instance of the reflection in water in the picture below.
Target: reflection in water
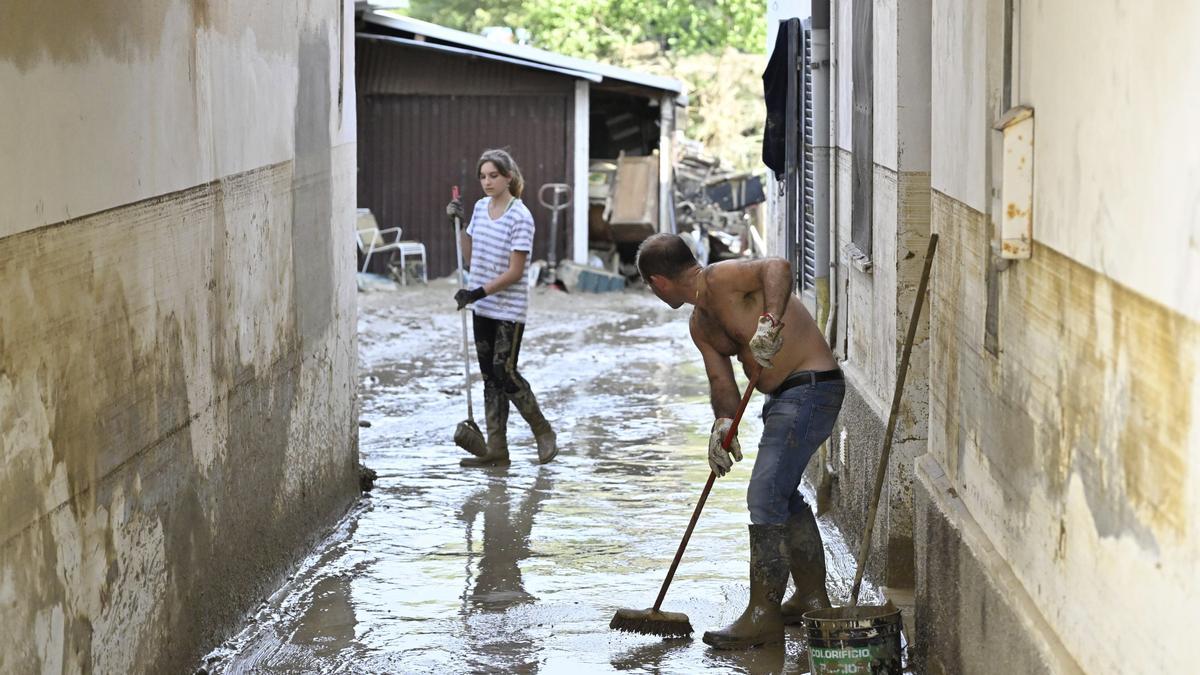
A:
(328, 623)
(493, 582)
(648, 657)
(497, 583)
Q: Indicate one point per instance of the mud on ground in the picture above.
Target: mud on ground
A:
(447, 570)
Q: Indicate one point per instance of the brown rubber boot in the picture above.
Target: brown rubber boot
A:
(762, 622)
(495, 412)
(806, 557)
(547, 440)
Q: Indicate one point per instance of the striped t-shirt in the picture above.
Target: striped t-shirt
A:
(492, 244)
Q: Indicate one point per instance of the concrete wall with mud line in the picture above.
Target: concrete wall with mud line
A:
(1071, 448)
(1075, 448)
(874, 302)
(177, 342)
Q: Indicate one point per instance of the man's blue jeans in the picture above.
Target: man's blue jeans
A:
(795, 424)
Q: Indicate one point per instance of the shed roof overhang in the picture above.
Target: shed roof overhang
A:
(447, 49)
(469, 44)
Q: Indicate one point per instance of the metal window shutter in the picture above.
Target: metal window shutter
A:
(808, 255)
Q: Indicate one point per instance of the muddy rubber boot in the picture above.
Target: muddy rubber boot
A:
(547, 440)
(762, 622)
(806, 557)
(495, 412)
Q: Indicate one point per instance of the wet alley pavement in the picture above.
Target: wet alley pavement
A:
(519, 569)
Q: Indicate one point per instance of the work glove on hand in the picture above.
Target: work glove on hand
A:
(720, 460)
(455, 210)
(464, 297)
(767, 340)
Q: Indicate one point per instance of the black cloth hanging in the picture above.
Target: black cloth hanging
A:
(775, 93)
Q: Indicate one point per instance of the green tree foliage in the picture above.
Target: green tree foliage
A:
(602, 29)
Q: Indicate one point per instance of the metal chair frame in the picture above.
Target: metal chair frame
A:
(371, 240)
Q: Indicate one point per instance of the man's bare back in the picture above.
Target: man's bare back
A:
(732, 296)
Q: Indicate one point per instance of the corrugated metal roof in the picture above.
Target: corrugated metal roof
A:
(532, 55)
(446, 49)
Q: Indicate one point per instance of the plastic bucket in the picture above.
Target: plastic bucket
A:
(854, 640)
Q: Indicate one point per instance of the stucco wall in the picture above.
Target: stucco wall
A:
(1075, 448)
(177, 333)
(874, 305)
(1117, 150)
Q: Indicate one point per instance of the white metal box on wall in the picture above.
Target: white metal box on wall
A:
(1013, 219)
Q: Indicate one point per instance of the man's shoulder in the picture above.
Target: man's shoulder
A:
(724, 270)
(721, 276)
(740, 275)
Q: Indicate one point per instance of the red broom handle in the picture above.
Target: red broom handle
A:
(712, 477)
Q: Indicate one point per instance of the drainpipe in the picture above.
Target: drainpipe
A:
(822, 89)
(824, 47)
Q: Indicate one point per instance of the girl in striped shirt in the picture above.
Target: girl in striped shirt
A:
(496, 247)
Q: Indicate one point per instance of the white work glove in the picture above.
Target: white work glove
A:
(720, 460)
(767, 340)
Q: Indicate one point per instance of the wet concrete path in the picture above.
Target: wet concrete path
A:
(448, 570)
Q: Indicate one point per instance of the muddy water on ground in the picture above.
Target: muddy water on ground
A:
(520, 569)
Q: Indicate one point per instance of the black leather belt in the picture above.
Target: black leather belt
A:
(807, 377)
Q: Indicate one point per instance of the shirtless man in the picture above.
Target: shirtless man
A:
(745, 308)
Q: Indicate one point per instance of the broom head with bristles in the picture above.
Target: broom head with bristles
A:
(468, 437)
(652, 622)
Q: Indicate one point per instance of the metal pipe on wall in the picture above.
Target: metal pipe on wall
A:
(819, 68)
(829, 90)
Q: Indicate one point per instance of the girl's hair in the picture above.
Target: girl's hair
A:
(507, 168)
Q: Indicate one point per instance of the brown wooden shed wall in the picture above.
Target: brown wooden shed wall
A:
(423, 120)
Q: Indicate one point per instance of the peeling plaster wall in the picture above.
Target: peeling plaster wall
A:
(177, 328)
(1074, 451)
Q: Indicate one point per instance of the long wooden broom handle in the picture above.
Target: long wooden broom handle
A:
(454, 194)
(712, 477)
(881, 471)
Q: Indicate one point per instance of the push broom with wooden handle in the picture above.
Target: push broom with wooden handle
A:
(654, 621)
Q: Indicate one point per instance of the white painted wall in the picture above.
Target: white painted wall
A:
(914, 92)
(1114, 89)
(154, 139)
(885, 84)
(876, 320)
(963, 102)
(843, 48)
(582, 150)
(1117, 155)
(874, 305)
(177, 369)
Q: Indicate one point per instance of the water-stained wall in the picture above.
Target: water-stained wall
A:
(875, 300)
(1072, 448)
(177, 323)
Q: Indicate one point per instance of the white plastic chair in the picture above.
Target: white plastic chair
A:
(371, 241)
